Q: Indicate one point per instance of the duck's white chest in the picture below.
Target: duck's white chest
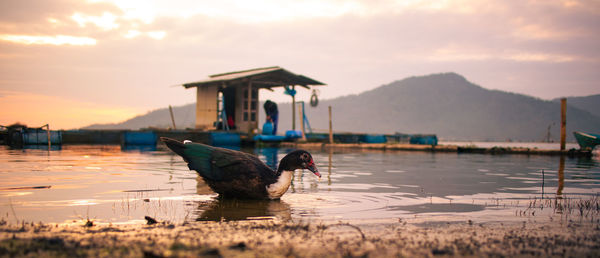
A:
(278, 188)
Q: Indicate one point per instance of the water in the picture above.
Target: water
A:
(108, 184)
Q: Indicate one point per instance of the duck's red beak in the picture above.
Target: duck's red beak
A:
(311, 166)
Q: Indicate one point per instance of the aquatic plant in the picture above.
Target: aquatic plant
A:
(566, 207)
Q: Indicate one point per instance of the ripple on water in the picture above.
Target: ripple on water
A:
(111, 185)
(394, 171)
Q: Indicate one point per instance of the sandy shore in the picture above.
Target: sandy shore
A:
(268, 238)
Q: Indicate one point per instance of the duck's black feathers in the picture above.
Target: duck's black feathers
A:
(227, 172)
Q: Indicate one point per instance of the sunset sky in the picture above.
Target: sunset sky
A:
(73, 63)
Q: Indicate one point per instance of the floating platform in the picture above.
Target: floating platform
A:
(20, 136)
(436, 148)
(149, 137)
(116, 137)
(148, 140)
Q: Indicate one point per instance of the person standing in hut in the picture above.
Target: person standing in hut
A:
(272, 114)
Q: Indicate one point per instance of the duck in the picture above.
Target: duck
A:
(236, 174)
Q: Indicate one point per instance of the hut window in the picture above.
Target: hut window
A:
(251, 113)
(254, 101)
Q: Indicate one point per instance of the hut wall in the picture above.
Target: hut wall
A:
(206, 107)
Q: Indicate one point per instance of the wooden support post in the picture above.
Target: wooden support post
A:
(293, 111)
(172, 118)
(301, 110)
(563, 123)
(249, 98)
(248, 107)
(330, 127)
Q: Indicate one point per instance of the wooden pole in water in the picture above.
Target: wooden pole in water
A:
(330, 127)
(329, 167)
(301, 111)
(563, 123)
(172, 118)
(48, 134)
(561, 176)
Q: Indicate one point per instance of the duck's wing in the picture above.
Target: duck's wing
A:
(217, 164)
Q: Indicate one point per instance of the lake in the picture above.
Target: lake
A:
(108, 184)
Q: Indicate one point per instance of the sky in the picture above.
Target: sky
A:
(74, 63)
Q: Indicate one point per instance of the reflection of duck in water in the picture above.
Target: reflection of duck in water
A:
(233, 209)
(270, 156)
(237, 174)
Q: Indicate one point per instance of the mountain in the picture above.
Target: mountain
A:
(185, 117)
(451, 107)
(444, 104)
(589, 103)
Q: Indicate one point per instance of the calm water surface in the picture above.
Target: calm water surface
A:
(108, 184)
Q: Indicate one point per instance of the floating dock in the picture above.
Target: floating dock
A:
(435, 148)
(148, 137)
(426, 143)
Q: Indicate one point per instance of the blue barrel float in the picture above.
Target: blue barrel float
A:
(269, 138)
(225, 139)
(374, 138)
(425, 139)
(139, 138)
(267, 128)
(293, 134)
(267, 134)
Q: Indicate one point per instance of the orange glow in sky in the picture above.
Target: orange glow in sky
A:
(61, 113)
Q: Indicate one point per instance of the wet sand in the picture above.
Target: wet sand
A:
(268, 238)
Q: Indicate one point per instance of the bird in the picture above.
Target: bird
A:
(235, 174)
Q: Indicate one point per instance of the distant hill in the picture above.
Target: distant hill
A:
(185, 117)
(451, 107)
(589, 103)
(444, 104)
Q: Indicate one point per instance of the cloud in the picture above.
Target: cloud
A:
(43, 22)
(546, 49)
(35, 13)
(159, 34)
(454, 53)
(107, 21)
(51, 40)
(132, 34)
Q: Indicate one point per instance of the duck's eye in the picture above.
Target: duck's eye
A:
(304, 156)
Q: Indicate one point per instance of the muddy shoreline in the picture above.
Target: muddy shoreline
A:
(271, 238)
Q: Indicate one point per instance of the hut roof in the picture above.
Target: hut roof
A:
(267, 77)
